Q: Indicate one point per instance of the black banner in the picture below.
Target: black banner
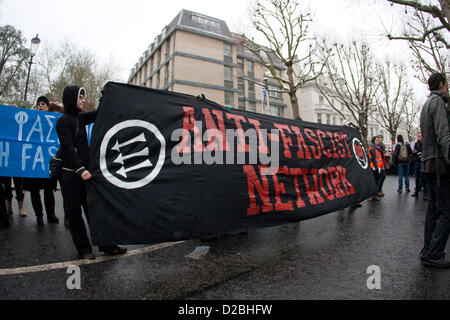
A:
(169, 167)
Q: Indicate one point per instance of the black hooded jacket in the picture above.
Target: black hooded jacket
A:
(71, 130)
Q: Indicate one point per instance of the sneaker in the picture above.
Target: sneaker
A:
(407, 190)
(52, 219)
(380, 194)
(399, 191)
(441, 263)
(40, 221)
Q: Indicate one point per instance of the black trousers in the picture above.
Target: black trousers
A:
(18, 185)
(75, 199)
(379, 179)
(49, 200)
(437, 222)
(3, 214)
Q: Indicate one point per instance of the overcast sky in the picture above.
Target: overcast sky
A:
(122, 30)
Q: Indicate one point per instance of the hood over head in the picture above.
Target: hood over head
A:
(70, 98)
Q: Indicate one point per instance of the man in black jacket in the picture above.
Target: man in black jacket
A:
(420, 177)
(435, 127)
(75, 155)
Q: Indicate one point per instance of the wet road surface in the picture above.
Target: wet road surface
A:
(323, 258)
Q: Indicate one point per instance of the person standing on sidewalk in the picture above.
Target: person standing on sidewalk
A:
(402, 157)
(377, 165)
(420, 177)
(35, 185)
(74, 149)
(435, 127)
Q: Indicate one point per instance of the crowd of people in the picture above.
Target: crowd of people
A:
(430, 157)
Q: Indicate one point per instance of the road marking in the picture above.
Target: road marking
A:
(65, 265)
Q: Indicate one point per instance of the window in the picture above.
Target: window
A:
(273, 92)
(328, 119)
(241, 87)
(319, 118)
(334, 120)
(205, 21)
(166, 77)
(229, 98)
(240, 65)
(251, 87)
(250, 68)
(157, 81)
(276, 111)
(168, 48)
(159, 57)
(252, 106)
(241, 104)
(228, 74)
(226, 50)
(321, 99)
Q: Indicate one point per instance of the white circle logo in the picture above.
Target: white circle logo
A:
(132, 154)
(360, 153)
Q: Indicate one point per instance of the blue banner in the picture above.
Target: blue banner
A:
(28, 140)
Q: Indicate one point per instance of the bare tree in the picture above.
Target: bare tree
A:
(411, 119)
(350, 80)
(438, 9)
(13, 57)
(427, 42)
(67, 65)
(392, 97)
(286, 29)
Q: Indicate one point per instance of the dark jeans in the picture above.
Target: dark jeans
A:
(421, 180)
(437, 222)
(75, 198)
(49, 201)
(18, 185)
(403, 171)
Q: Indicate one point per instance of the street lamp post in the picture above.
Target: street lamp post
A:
(33, 49)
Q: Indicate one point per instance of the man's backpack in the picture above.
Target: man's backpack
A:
(403, 154)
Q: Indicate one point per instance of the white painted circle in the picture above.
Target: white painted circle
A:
(103, 150)
(366, 164)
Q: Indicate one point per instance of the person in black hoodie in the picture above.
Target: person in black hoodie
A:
(74, 152)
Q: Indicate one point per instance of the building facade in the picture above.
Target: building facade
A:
(196, 54)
